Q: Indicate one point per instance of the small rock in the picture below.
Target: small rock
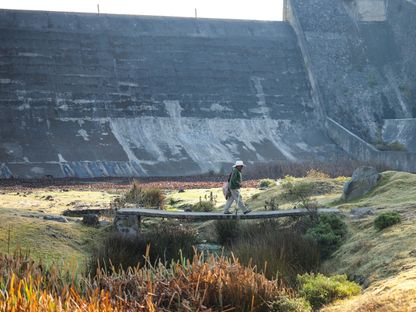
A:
(181, 190)
(56, 218)
(359, 213)
(90, 219)
(49, 197)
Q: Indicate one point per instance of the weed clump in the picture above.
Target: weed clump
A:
(272, 204)
(317, 174)
(143, 197)
(267, 183)
(203, 206)
(287, 304)
(320, 290)
(328, 232)
(386, 219)
(300, 194)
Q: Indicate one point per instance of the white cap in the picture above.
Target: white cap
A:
(238, 163)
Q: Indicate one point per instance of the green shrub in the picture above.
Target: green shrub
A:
(143, 197)
(386, 219)
(320, 290)
(300, 194)
(166, 242)
(287, 304)
(266, 183)
(272, 204)
(328, 232)
(203, 206)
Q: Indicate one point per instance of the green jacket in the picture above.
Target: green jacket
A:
(235, 180)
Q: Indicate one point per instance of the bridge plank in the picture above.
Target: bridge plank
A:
(154, 213)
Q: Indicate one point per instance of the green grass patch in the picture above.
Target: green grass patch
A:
(320, 290)
(48, 241)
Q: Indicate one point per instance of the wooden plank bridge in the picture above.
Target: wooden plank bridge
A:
(128, 220)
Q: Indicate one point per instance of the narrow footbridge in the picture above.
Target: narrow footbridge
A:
(128, 220)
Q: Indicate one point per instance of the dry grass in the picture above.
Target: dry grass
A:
(36, 200)
(324, 191)
(214, 284)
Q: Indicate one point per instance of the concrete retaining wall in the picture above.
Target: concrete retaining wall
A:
(361, 150)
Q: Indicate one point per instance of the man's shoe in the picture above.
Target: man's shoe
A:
(247, 211)
(228, 212)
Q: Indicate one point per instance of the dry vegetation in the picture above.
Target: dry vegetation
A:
(384, 262)
(213, 284)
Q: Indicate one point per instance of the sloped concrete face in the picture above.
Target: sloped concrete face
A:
(360, 55)
(102, 95)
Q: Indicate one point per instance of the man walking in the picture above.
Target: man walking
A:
(234, 185)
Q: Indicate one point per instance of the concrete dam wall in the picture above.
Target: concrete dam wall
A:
(91, 95)
(360, 59)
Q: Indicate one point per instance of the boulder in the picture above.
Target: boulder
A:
(91, 219)
(363, 180)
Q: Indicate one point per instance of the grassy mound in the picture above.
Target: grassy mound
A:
(46, 240)
(394, 189)
(384, 261)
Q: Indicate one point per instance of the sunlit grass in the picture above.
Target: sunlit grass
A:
(47, 240)
(215, 283)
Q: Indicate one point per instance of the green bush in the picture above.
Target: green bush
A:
(266, 183)
(203, 206)
(328, 232)
(272, 204)
(143, 197)
(300, 194)
(386, 219)
(166, 242)
(287, 304)
(320, 290)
